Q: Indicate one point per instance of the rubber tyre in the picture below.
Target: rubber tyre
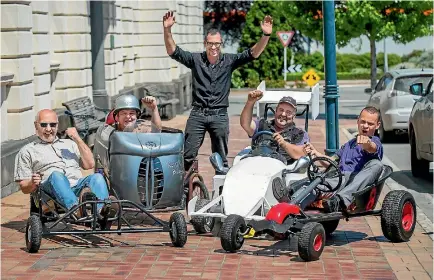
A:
(202, 224)
(178, 229)
(202, 187)
(330, 226)
(311, 241)
(419, 167)
(33, 234)
(231, 236)
(393, 218)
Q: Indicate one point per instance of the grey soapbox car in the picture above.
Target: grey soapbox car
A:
(144, 171)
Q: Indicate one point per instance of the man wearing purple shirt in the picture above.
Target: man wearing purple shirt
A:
(359, 161)
(289, 138)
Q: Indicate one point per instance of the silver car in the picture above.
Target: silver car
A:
(420, 129)
(392, 97)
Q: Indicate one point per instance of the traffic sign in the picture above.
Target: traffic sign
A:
(311, 78)
(294, 68)
(285, 37)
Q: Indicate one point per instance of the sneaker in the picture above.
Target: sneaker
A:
(280, 191)
(108, 211)
(332, 205)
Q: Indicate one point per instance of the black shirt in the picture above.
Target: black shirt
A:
(211, 83)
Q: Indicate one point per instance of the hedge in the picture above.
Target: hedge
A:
(340, 75)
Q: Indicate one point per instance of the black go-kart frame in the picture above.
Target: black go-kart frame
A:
(288, 219)
(42, 222)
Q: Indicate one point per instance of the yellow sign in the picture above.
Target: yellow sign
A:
(311, 78)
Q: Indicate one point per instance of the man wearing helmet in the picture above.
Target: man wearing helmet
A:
(127, 109)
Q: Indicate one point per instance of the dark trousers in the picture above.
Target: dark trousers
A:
(213, 121)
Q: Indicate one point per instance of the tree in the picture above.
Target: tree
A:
(270, 64)
(227, 16)
(404, 21)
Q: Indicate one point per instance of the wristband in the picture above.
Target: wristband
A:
(268, 35)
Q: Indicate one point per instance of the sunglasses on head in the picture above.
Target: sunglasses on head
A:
(46, 124)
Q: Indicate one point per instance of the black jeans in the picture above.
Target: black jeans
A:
(213, 121)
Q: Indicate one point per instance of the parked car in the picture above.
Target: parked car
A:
(392, 97)
(420, 129)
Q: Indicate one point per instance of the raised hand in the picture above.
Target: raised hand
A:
(255, 95)
(267, 25)
(72, 133)
(168, 19)
(150, 102)
(364, 141)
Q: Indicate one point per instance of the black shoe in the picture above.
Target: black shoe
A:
(280, 191)
(332, 205)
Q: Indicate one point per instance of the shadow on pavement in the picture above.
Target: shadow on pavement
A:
(290, 249)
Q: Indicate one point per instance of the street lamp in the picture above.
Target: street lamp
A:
(331, 88)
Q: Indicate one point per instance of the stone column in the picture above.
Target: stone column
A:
(16, 58)
(111, 43)
(71, 43)
(41, 55)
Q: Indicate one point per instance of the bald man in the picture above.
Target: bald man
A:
(53, 164)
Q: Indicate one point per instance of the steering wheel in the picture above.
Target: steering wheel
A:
(332, 171)
(263, 132)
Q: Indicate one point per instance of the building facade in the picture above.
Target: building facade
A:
(56, 51)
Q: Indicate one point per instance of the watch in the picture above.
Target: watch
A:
(266, 34)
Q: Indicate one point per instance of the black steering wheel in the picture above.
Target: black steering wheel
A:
(332, 171)
(263, 132)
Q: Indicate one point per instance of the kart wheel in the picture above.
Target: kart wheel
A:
(200, 187)
(398, 216)
(33, 234)
(311, 241)
(232, 233)
(202, 224)
(178, 229)
(330, 226)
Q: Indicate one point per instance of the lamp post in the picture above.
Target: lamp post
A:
(331, 88)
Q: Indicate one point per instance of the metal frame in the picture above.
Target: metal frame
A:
(69, 217)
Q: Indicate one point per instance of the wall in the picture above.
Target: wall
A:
(46, 47)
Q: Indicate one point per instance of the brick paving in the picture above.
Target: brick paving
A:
(357, 250)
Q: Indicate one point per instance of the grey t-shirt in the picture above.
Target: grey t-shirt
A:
(62, 155)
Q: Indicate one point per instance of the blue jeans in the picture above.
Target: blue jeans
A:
(57, 186)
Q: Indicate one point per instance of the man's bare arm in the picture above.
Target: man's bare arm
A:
(168, 41)
(156, 119)
(294, 151)
(246, 118)
(259, 47)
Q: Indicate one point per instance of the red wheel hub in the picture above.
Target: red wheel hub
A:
(317, 242)
(407, 216)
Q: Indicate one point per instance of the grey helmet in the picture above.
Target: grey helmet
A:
(126, 102)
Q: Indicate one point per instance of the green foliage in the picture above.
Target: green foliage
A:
(237, 81)
(392, 60)
(315, 60)
(415, 53)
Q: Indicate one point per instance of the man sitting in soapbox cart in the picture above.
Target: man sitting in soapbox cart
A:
(143, 159)
(261, 193)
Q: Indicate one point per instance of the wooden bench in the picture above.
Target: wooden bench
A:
(84, 118)
(166, 101)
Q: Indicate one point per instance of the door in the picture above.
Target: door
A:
(427, 121)
(380, 90)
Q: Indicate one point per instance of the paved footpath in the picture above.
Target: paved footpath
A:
(357, 250)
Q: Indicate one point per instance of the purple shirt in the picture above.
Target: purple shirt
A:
(352, 157)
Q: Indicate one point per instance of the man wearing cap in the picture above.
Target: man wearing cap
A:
(290, 138)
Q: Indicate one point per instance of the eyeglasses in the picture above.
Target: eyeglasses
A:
(46, 124)
(210, 44)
